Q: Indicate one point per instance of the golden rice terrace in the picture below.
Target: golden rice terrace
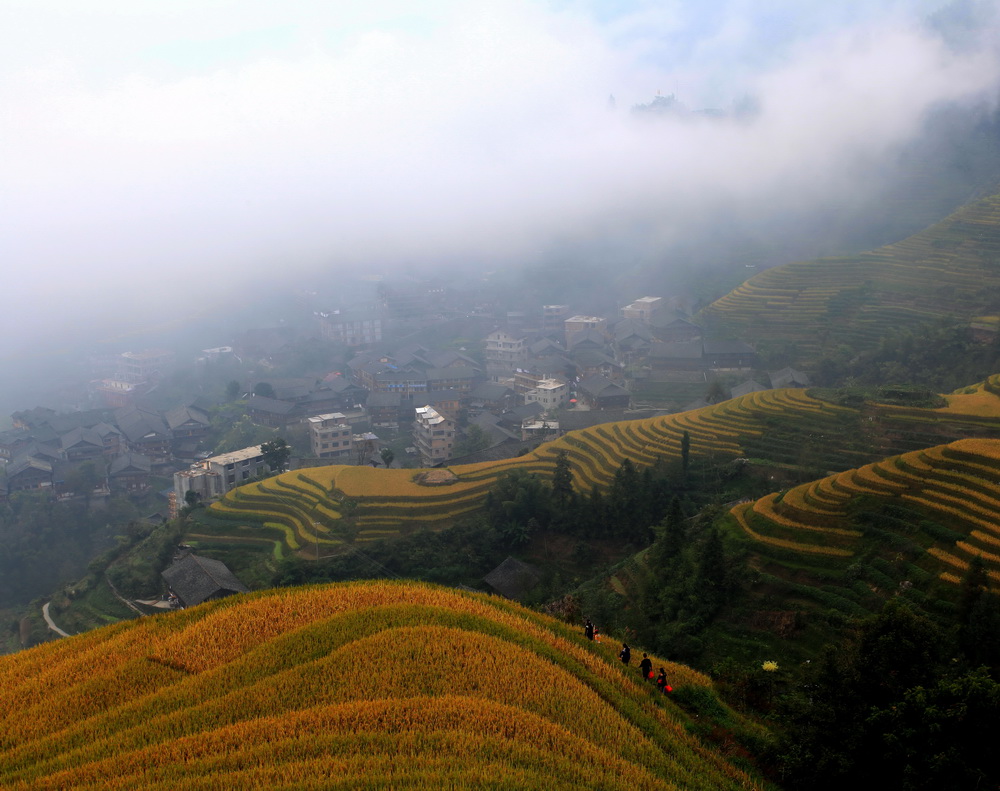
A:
(325, 508)
(354, 686)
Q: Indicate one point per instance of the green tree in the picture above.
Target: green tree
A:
(244, 433)
(387, 456)
(264, 390)
(670, 534)
(685, 451)
(84, 478)
(276, 453)
(232, 390)
(562, 480)
(942, 734)
(716, 392)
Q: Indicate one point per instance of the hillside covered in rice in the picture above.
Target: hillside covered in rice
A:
(362, 685)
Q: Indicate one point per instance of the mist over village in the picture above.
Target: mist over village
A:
(619, 383)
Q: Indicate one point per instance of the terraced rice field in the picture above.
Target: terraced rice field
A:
(958, 483)
(328, 507)
(370, 685)
(948, 269)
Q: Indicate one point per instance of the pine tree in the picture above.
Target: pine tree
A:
(562, 480)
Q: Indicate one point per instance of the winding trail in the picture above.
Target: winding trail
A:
(51, 623)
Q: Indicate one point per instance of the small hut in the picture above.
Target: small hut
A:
(513, 579)
(195, 579)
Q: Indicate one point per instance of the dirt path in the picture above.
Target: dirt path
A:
(121, 598)
(51, 623)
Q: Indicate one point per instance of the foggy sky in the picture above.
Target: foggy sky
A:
(153, 152)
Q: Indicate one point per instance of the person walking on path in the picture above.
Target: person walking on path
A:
(625, 654)
(588, 629)
(646, 667)
(661, 682)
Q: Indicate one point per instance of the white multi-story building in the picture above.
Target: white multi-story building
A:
(644, 309)
(506, 349)
(351, 329)
(553, 316)
(550, 394)
(330, 436)
(433, 436)
(215, 476)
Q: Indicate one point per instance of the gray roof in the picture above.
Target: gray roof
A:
(513, 578)
(678, 350)
(25, 463)
(747, 387)
(789, 377)
(442, 395)
(590, 358)
(271, 405)
(186, 414)
(81, 437)
(601, 387)
(490, 423)
(104, 429)
(383, 399)
(195, 579)
(490, 391)
(594, 337)
(71, 420)
(137, 424)
(338, 385)
(629, 327)
(130, 464)
(546, 346)
(37, 450)
(573, 419)
(534, 409)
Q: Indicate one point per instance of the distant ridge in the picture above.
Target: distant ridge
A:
(951, 269)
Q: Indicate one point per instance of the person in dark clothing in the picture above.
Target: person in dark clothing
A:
(625, 654)
(646, 667)
(661, 682)
(588, 629)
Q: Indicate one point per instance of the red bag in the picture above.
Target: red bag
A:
(669, 688)
(650, 674)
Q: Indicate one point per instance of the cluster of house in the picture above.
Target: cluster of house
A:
(569, 371)
(123, 446)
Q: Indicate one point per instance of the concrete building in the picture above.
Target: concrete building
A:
(215, 476)
(330, 436)
(351, 329)
(550, 394)
(578, 324)
(505, 350)
(553, 316)
(644, 309)
(433, 436)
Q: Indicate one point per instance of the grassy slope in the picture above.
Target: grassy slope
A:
(949, 269)
(363, 685)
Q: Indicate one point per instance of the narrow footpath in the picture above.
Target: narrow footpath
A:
(51, 623)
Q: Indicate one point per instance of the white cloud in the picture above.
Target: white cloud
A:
(150, 146)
